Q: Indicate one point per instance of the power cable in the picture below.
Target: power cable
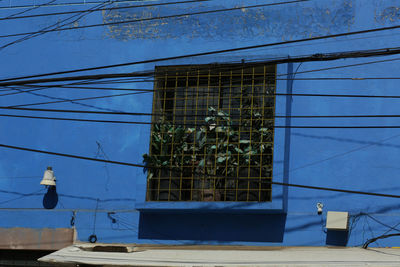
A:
(372, 240)
(64, 100)
(354, 219)
(73, 119)
(22, 195)
(72, 111)
(68, 210)
(5, 90)
(144, 166)
(98, 9)
(381, 223)
(232, 94)
(14, 16)
(39, 88)
(117, 81)
(384, 235)
(67, 4)
(101, 153)
(279, 60)
(57, 26)
(379, 61)
(320, 79)
(19, 177)
(343, 78)
(201, 94)
(21, 91)
(88, 88)
(67, 85)
(93, 238)
(342, 154)
(47, 96)
(76, 99)
(113, 112)
(322, 69)
(153, 18)
(198, 124)
(347, 66)
(315, 57)
(74, 156)
(150, 90)
(130, 76)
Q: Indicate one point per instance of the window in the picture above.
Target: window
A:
(212, 133)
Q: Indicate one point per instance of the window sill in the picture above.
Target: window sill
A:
(207, 207)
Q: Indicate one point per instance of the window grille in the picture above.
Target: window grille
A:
(212, 133)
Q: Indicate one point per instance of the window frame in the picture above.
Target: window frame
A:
(280, 169)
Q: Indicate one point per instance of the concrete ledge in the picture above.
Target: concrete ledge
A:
(233, 256)
(36, 239)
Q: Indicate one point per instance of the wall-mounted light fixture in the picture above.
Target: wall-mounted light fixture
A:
(319, 208)
(48, 178)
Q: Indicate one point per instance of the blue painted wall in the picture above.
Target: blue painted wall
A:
(357, 159)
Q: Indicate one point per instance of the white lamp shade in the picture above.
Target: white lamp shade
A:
(48, 178)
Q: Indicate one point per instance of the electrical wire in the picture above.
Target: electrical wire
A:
(315, 57)
(278, 60)
(68, 4)
(76, 99)
(332, 95)
(67, 210)
(73, 119)
(93, 237)
(67, 100)
(347, 66)
(72, 111)
(198, 124)
(144, 166)
(20, 177)
(381, 223)
(15, 16)
(22, 195)
(87, 88)
(217, 94)
(21, 91)
(342, 154)
(57, 26)
(372, 240)
(98, 9)
(150, 90)
(117, 81)
(355, 218)
(44, 95)
(152, 18)
(13, 4)
(67, 85)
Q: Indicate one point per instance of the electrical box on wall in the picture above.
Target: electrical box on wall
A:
(336, 220)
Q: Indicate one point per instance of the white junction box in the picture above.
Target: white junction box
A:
(337, 220)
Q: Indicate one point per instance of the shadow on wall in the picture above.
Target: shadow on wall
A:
(50, 199)
(213, 226)
(336, 238)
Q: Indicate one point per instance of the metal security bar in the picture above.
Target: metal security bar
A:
(212, 134)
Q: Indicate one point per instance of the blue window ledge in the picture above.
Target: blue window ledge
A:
(207, 207)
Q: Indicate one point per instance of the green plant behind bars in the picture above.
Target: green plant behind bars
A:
(211, 152)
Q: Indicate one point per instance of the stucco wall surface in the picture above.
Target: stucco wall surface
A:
(100, 198)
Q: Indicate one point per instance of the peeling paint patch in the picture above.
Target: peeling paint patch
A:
(389, 14)
(284, 22)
